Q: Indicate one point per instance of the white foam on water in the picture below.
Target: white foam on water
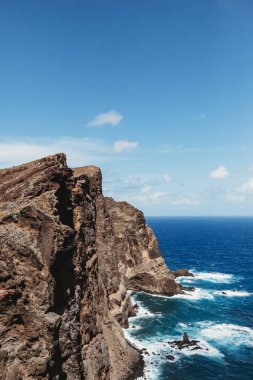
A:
(194, 295)
(206, 350)
(191, 295)
(192, 327)
(202, 324)
(213, 276)
(182, 325)
(142, 311)
(185, 280)
(232, 293)
(229, 334)
(158, 348)
(156, 354)
(222, 332)
(210, 336)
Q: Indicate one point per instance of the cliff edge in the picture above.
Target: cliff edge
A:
(68, 255)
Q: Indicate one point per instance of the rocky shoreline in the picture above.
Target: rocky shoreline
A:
(185, 343)
(68, 256)
(138, 369)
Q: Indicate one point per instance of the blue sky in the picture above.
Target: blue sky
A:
(158, 93)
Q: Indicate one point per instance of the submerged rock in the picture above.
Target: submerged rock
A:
(188, 288)
(170, 357)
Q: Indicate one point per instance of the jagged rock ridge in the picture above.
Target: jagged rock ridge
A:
(68, 255)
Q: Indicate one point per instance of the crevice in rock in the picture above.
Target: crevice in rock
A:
(80, 360)
(64, 203)
(55, 371)
(62, 271)
(62, 268)
(17, 319)
(66, 277)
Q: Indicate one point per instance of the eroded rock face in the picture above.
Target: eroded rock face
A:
(136, 251)
(67, 258)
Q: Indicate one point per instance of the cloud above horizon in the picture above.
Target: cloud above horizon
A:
(234, 198)
(124, 145)
(79, 151)
(167, 178)
(151, 188)
(246, 187)
(173, 149)
(147, 194)
(192, 200)
(220, 173)
(112, 118)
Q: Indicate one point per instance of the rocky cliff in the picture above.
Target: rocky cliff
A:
(68, 255)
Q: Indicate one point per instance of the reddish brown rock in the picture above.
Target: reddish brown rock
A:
(67, 257)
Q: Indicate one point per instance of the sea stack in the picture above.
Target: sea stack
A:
(68, 255)
(186, 339)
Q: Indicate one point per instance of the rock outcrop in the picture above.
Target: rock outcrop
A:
(183, 272)
(186, 343)
(68, 255)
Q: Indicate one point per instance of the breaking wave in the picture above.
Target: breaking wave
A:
(232, 293)
(229, 334)
(213, 277)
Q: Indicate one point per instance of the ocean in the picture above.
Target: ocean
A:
(219, 313)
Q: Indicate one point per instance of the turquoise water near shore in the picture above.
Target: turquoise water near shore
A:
(219, 313)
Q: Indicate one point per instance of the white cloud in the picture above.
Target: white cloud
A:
(146, 189)
(132, 182)
(157, 196)
(191, 150)
(220, 173)
(173, 149)
(145, 195)
(124, 145)
(193, 200)
(79, 151)
(129, 186)
(167, 178)
(165, 148)
(152, 196)
(247, 187)
(108, 118)
(232, 198)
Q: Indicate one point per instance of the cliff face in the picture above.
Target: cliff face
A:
(67, 257)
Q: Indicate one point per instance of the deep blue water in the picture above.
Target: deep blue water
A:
(220, 253)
